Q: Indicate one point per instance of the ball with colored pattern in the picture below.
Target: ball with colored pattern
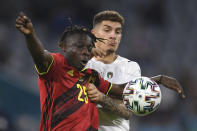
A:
(142, 96)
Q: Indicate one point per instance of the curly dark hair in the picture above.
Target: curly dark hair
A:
(71, 30)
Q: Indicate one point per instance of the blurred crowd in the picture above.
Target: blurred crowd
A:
(159, 34)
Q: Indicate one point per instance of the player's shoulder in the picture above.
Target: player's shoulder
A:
(126, 61)
(92, 60)
(57, 55)
(89, 71)
(93, 63)
(59, 59)
(130, 67)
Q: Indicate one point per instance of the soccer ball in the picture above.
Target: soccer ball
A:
(142, 96)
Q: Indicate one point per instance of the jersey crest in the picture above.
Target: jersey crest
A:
(71, 72)
(109, 75)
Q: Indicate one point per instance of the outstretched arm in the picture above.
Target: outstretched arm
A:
(41, 57)
(170, 83)
(111, 104)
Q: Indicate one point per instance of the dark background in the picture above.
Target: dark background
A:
(160, 35)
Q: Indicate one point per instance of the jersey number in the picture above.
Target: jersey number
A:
(82, 91)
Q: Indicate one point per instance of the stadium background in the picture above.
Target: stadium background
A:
(159, 34)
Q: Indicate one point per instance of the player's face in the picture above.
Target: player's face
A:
(77, 50)
(111, 31)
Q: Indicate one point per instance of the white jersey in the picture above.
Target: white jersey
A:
(120, 71)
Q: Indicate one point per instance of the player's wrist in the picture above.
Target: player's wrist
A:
(102, 97)
(157, 79)
(30, 35)
(160, 80)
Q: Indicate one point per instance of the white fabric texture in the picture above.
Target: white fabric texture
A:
(120, 71)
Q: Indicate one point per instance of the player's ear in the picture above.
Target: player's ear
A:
(62, 46)
(92, 31)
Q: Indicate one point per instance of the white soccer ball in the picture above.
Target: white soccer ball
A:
(142, 96)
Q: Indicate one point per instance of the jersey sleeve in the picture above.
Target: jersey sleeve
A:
(132, 70)
(102, 85)
(136, 70)
(49, 72)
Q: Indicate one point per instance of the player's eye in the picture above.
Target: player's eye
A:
(106, 30)
(118, 32)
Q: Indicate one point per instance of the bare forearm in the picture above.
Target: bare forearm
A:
(35, 47)
(40, 56)
(169, 82)
(115, 106)
(157, 79)
(117, 90)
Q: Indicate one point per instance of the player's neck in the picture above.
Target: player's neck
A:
(107, 59)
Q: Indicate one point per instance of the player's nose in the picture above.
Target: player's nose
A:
(112, 35)
(85, 51)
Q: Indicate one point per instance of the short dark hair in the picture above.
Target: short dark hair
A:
(108, 15)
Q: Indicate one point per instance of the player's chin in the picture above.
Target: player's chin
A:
(110, 51)
(81, 67)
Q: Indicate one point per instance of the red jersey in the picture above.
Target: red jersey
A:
(64, 102)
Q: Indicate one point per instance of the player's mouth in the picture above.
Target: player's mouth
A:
(112, 44)
(84, 62)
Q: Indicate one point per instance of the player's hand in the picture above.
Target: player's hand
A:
(94, 94)
(24, 25)
(97, 52)
(171, 83)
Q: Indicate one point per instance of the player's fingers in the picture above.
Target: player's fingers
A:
(21, 19)
(93, 99)
(24, 17)
(27, 20)
(91, 86)
(21, 14)
(92, 96)
(20, 22)
(97, 52)
(101, 54)
(91, 92)
(183, 95)
(89, 89)
(21, 28)
(18, 26)
(180, 90)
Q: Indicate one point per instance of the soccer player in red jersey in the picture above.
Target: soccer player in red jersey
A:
(62, 81)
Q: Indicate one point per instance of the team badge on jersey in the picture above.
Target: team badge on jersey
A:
(109, 75)
(71, 72)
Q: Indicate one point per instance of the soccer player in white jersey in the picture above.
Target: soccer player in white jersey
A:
(113, 116)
